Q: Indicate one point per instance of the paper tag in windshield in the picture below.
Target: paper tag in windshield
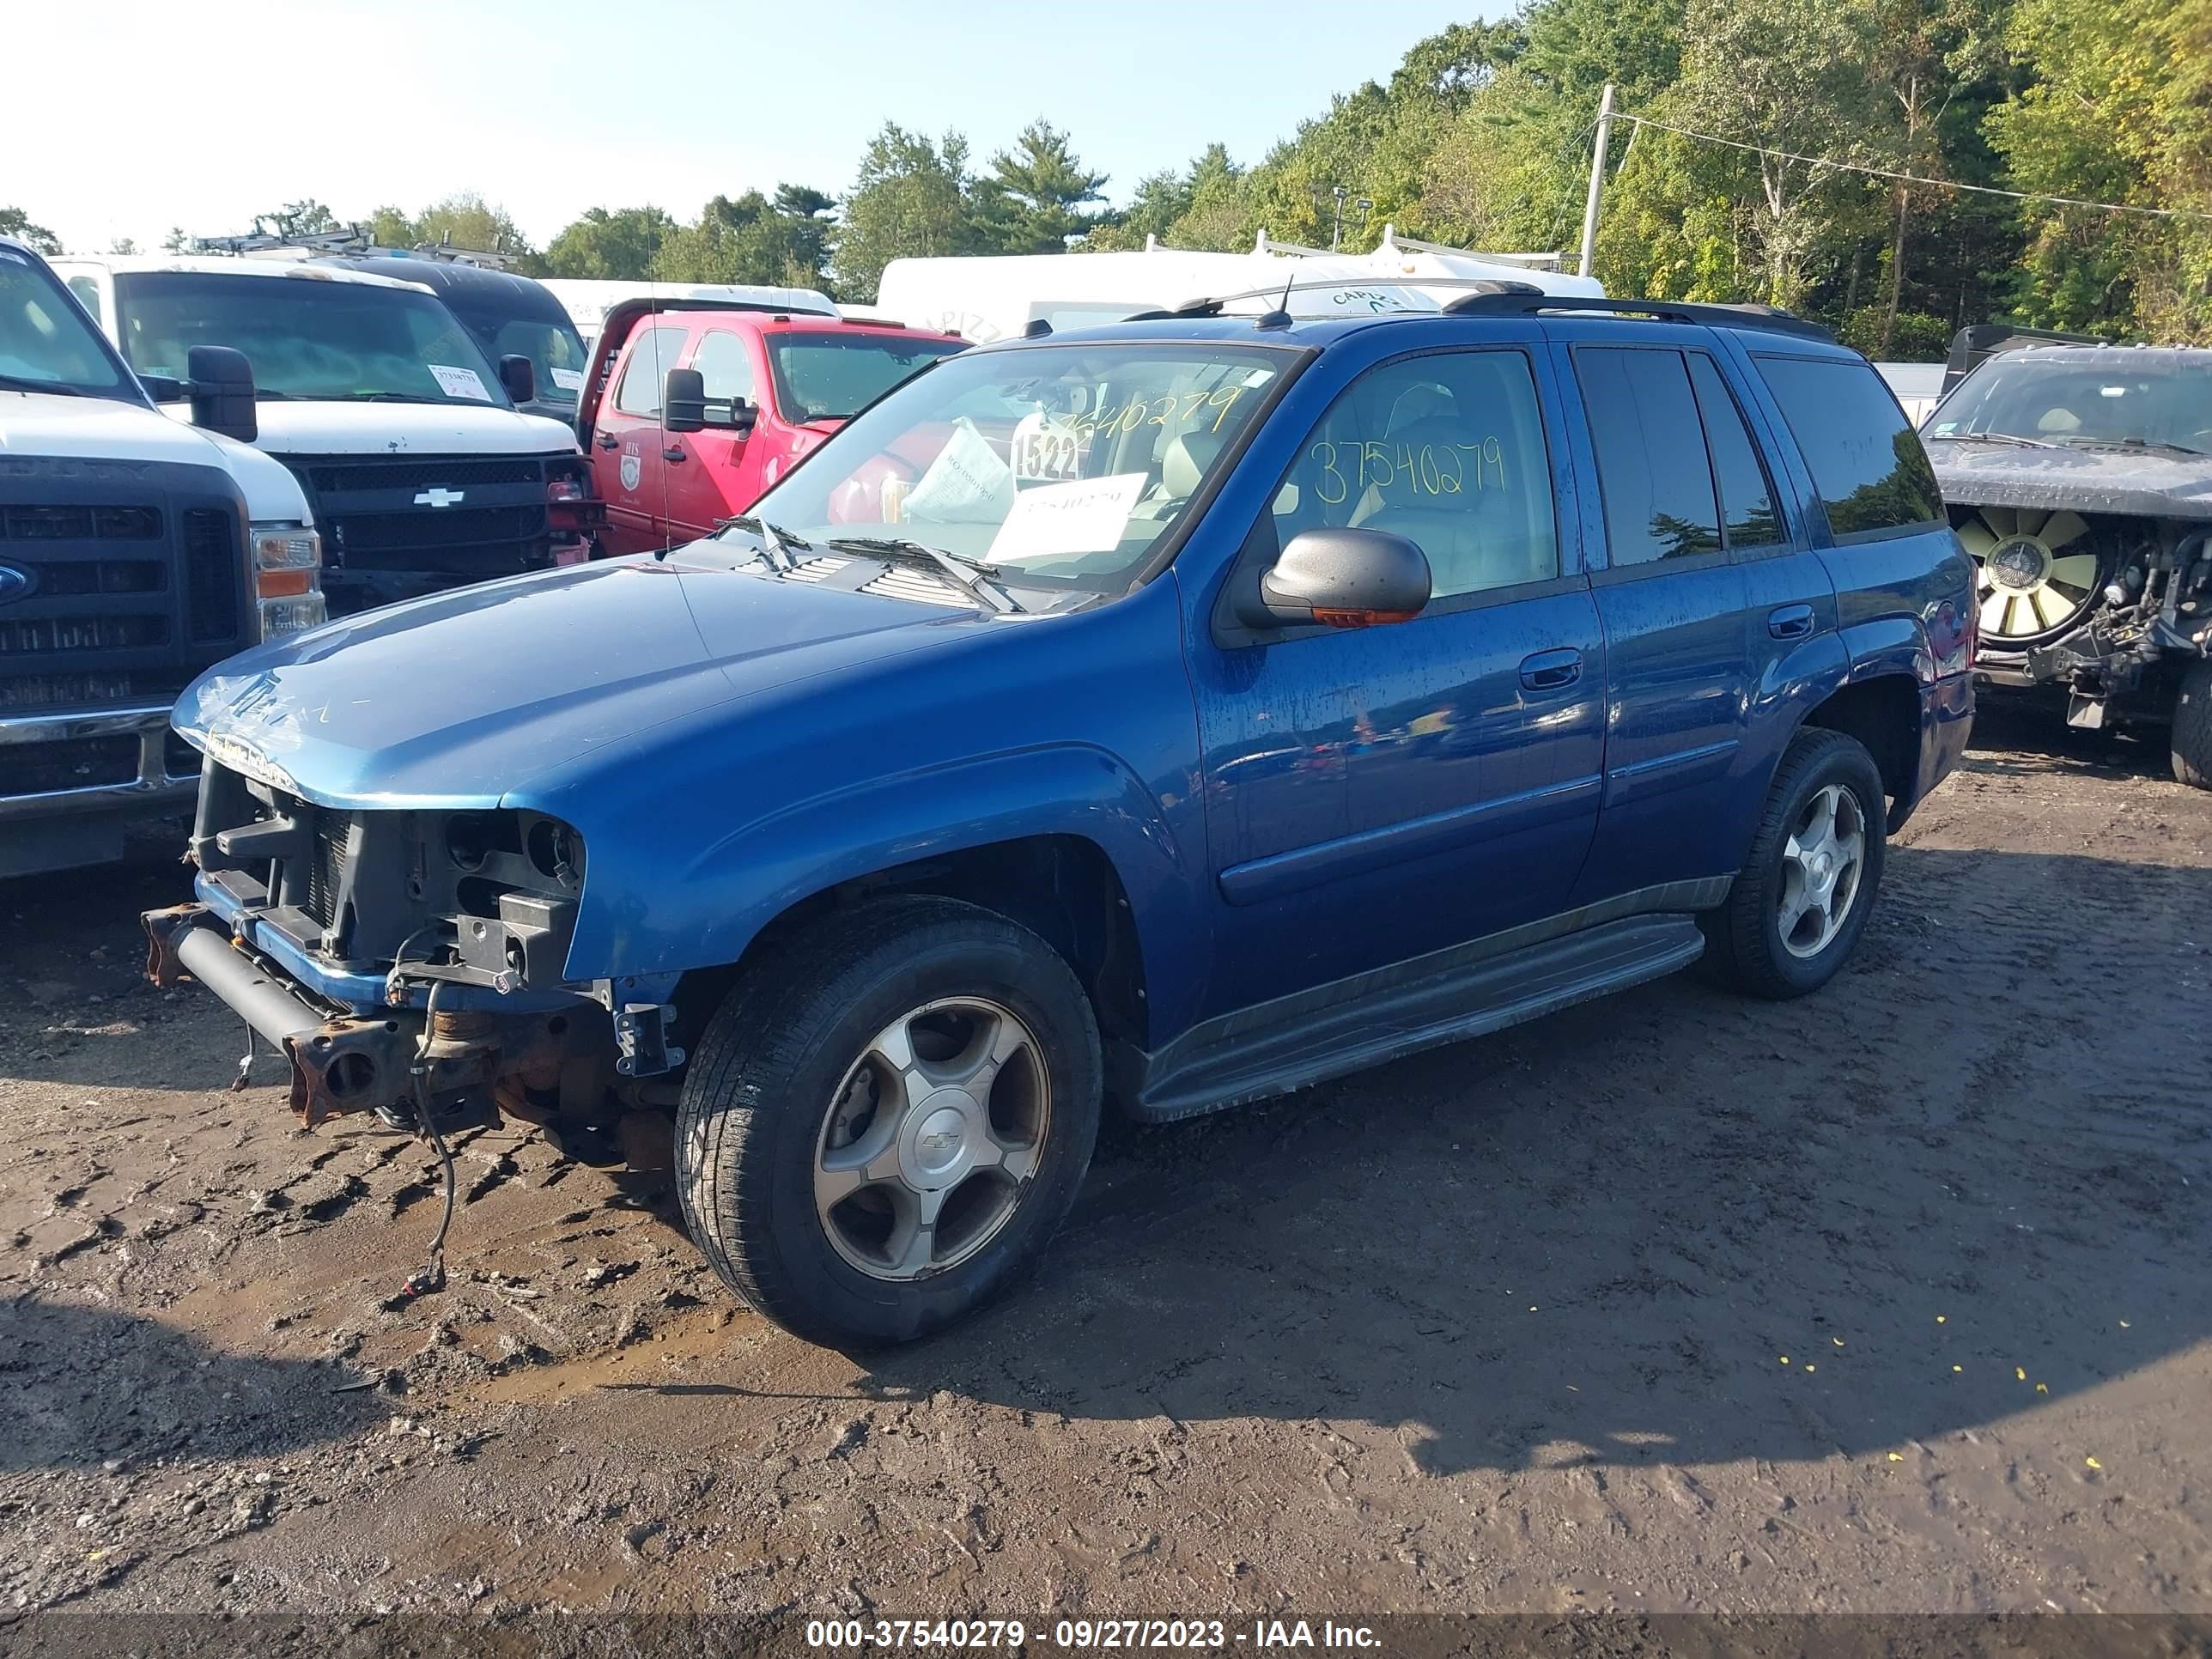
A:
(568, 379)
(460, 382)
(1044, 449)
(1084, 516)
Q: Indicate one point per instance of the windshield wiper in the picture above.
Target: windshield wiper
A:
(775, 545)
(263, 394)
(2131, 443)
(2013, 438)
(398, 398)
(24, 383)
(971, 578)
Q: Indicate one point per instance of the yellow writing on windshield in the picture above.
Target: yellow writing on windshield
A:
(1176, 411)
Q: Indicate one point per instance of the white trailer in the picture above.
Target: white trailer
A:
(990, 297)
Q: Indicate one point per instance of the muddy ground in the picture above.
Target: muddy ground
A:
(1891, 1299)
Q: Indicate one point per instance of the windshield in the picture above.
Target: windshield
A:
(1051, 465)
(2059, 403)
(832, 377)
(45, 342)
(306, 336)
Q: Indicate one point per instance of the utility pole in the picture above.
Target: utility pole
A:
(1597, 177)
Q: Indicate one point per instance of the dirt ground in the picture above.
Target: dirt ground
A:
(1890, 1299)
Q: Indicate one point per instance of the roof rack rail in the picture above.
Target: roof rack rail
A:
(1516, 304)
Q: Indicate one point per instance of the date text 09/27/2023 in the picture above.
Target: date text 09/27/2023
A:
(1087, 1634)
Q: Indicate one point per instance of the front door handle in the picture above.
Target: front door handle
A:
(607, 440)
(1791, 621)
(1551, 671)
(672, 454)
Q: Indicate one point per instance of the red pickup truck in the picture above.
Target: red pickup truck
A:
(691, 409)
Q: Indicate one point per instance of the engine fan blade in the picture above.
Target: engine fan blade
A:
(2061, 528)
(1979, 539)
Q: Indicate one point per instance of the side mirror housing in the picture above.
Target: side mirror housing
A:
(519, 375)
(221, 392)
(743, 416)
(1341, 579)
(163, 388)
(684, 401)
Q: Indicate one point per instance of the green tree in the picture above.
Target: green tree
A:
(307, 217)
(751, 239)
(14, 221)
(602, 244)
(1029, 201)
(2117, 107)
(911, 198)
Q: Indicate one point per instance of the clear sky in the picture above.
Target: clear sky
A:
(122, 119)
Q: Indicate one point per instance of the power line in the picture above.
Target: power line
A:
(1914, 178)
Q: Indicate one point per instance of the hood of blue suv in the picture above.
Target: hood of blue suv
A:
(460, 699)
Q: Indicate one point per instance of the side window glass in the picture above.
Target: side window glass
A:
(1651, 464)
(1866, 459)
(1446, 450)
(1748, 514)
(724, 366)
(88, 296)
(651, 356)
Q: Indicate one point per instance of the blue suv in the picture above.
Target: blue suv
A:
(1169, 713)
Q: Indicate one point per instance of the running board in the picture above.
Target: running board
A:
(1467, 1000)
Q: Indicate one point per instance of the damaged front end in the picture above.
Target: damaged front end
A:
(2107, 608)
(407, 962)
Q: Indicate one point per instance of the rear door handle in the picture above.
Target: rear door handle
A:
(1551, 671)
(672, 454)
(1791, 621)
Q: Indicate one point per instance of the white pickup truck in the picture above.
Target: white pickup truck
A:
(134, 552)
(422, 473)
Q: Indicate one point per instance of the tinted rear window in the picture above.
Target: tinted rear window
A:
(1867, 460)
(1652, 465)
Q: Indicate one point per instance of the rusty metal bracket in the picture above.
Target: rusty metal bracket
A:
(164, 928)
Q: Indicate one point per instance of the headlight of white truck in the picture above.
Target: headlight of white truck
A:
(287, 577)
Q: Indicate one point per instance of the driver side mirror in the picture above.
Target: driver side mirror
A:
(221, 389)
(1341, 579)
(519, 375)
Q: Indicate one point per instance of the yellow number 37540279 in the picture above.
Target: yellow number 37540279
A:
(1429, 470)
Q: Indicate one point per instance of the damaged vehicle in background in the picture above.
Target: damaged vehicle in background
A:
(2079, 477)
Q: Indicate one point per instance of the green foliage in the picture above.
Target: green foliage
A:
(1482, 138)
(911, 198)
(464, 220)
(1028, 203)
(752, 240)
(14, 221)
(605, 245)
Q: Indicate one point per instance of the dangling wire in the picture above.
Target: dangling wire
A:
(432, 1275)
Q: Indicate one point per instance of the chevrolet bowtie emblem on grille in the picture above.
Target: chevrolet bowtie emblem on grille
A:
(439, 496)
(15, 584)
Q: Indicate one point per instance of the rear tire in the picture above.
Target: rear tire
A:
(1798, 905)
(2192, 728)
(884, 1124)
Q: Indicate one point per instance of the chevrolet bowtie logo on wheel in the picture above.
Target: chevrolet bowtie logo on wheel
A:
(439, 496)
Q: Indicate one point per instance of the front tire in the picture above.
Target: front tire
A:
(2192, 728)
(883, 1125)
(1798, 905)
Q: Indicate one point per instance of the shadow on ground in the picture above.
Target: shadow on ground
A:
(1675, 1227)
(80, 1386)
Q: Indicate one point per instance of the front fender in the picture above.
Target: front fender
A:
(642, 917)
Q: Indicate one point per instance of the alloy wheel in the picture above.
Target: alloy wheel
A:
(932, 1138)
(1821, 863)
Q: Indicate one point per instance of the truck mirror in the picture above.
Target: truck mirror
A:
(684, 401)
(519, 376)
(742, 416)
(1343, 578)
(220, 388)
